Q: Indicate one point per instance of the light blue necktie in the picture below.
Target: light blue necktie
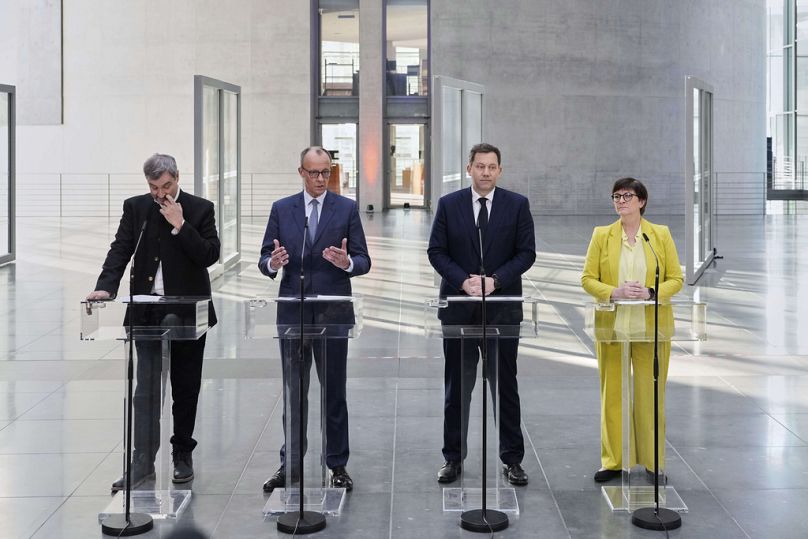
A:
(313, 221)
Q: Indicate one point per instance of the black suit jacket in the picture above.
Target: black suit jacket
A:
(509, 249)
(185, 257)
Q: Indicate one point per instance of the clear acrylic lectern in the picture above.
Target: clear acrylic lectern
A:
(157, 321)
(624, 322)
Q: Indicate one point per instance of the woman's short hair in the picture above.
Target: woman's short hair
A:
(634, 185)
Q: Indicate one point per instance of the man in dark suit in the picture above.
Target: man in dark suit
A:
(509, 249)
(333, 251)
(179, 242)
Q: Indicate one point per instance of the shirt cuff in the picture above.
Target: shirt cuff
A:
(269, 268)
(175, 231)
(349, 269)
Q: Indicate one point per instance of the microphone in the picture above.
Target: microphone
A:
(305, 235)
(140, 236)
(482, 266)
(656, 274)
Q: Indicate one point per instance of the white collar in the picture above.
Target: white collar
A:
(307, 198)
(475, 196)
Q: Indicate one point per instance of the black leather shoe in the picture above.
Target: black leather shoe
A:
(341, 479)
(601, 476)
(449, 472)
(515, 474)
(183, 467)
(142, 471)
(663, 479)
(278, 480)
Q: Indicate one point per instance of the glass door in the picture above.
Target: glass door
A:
(699, 179)
(340, 140)
(7, 244)
(405, 166)
(217, 161)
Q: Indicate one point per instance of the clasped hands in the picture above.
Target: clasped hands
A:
(631, 290)
(473, 285)
(336, 255)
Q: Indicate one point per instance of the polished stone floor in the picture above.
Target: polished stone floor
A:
(737, 403)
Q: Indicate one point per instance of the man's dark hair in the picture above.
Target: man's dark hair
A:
(634, 185)
(158, 164)
(484, 147)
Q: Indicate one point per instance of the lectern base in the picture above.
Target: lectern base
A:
(483, 522)
(663, 519)
(158, 504)
(296, 524)
(117, 526)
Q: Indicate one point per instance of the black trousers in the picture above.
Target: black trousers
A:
(186, 378)
(460, 378)
(332, 373)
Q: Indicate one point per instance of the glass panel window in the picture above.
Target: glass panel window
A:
(340, 141)
(775, 24)
(230, 181)
(407, 47)
(406, 176)
(451, 140)
(210, 150)
(4, 179)
(339, 47)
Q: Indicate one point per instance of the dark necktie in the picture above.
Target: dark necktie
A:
(482, 217)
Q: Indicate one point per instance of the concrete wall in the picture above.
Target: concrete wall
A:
(31, 57)
(579, 93)
(128, 70)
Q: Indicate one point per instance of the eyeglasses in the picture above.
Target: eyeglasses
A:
(314, 173)
(625, 196)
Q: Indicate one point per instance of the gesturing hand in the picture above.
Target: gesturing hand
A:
(279, 257)
(338, 255)
(172, 211)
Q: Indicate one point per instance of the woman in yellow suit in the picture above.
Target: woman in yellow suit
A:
(620, 266)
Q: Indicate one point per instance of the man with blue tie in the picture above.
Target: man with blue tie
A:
(333, 251)
(509, 249)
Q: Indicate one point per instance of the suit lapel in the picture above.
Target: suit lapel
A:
(326, 213)
(467, 216)
(299, 213)
(495, 218)
(614, 245)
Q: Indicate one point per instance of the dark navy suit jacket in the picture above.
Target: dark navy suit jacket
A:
(509, 249)
(339, 218)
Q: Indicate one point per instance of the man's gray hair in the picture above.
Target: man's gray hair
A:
(158, 164)
(319, 150)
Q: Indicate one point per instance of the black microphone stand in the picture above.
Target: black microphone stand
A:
(656, 518)
(302, 522)
(128, 523)
(483, 520)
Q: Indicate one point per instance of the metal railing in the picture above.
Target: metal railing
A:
(102, 194)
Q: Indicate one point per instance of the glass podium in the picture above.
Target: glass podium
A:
(509, 317)
(327, 318)
(158, 320)
(624, 322)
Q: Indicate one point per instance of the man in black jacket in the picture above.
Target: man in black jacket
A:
(179, 242)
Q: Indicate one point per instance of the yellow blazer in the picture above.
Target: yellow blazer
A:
(602, 269)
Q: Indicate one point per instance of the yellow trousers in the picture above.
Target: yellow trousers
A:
(641, 413)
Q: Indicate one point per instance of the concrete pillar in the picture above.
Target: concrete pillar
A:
(371, 103)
